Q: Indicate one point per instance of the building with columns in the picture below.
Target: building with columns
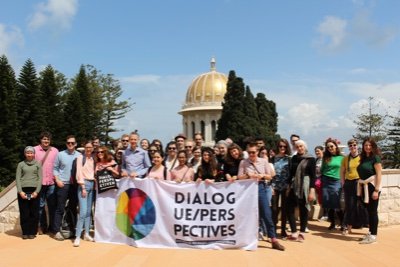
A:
(203, 105)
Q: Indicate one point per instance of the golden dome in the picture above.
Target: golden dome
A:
(208, 89)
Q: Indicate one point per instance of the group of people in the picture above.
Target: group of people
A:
(287, 175)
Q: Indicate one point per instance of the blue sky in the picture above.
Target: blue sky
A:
(318, 60)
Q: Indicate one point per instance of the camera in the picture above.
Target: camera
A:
(29, 196)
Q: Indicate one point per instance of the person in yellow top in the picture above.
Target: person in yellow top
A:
(349, 177)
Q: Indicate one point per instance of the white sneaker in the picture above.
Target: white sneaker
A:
(368, 240)
(77, 242)
(87, 237)
(58, 236)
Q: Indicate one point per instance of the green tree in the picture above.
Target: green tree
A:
(232, 119)
(113, 108)
(9, 138)
(253, 126)
(371, 122)
(31, 112)
(392, 149)
(51, 88)
(268, 118)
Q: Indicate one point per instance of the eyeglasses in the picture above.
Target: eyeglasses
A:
(70, 143)
(353, 145)
(125, 140)
(172, 148)
(252, 152)
(100, 152)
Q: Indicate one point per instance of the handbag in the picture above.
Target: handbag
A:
(105, 181)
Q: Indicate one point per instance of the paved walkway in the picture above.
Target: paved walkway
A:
(321, 248)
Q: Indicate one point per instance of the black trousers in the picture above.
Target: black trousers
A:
(372, 208)
(292, 202)
(279, 194)
(29, 212)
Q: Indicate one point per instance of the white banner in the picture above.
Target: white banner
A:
(162, 214)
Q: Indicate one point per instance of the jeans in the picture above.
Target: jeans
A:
(264, 198)
(85, 208)
(62, 194)
(48, 196)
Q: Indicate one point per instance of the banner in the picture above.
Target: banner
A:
(164, 214)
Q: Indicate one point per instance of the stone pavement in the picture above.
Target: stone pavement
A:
(321, 248)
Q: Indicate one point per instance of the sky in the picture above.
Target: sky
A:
(319, 61)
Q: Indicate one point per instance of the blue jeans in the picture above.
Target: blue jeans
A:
(85, 208)
(48, 196)
(264, 199)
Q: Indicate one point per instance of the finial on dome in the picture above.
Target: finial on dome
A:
(213, 68)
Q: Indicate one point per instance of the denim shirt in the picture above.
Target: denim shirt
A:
(136, 161)
(281, 180)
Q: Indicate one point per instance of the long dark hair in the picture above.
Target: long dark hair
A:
(288, 151)
(211, 165)
(228, 158)
(327, 155)
(375, 150)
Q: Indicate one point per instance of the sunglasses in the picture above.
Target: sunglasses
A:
(353, 145)
(188, 146)
(282, 146)
(70, 143)
(172, 148)
(100, 152)
(252, 152)
(125, 140)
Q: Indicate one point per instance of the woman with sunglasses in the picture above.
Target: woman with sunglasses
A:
(301, 191)
(331, 186)
(370, 172)
(85, 171)
(171, 160)
(349, 179)
(280, 184)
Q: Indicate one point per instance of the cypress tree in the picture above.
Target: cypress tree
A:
(268, 118)
(9, 142)
(232, 119)
(30, 105)
(252, 122)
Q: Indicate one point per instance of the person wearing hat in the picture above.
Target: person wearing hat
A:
(29, 182)
(180, 141)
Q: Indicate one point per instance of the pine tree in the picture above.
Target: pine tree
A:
(392, 149)
(9, 141)
(232, 119)
(31, 113)
(113, 109)
(371, 123)
(51, 90)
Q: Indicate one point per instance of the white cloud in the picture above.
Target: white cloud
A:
(53, 13)
(141, 79)
(358, 71)
(9, 36)
(369, 32)
(332, 33)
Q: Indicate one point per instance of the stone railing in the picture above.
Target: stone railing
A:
(389, 203)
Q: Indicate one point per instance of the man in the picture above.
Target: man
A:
(180, 142)
(198, 139)
(96, 144)
(293, 139)
(189, 145)
(64, 189)
(46, 155)
(135, 161)
(260, 170)
(125, 141)
(260, 142)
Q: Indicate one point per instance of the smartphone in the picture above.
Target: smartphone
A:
(29, 196)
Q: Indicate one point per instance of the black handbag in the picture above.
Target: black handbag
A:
(105, 181)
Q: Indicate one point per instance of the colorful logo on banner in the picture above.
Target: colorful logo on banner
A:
(136, 214)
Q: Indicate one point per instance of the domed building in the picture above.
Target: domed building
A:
(203, 105)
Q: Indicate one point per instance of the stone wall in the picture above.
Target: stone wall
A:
(9, 218)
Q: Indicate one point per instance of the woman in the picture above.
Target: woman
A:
(158, 170)
(85, 170)
(370, 173)
(280, 184)
(264, 153)
(301, 190)
(171, 160)
(349, 180)
(152, 149)
(182, 173)
(232, 161)
(319, 153)
(257, 168)
(208, 168)
(331, 187)
(29, 182)
(144, 144)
